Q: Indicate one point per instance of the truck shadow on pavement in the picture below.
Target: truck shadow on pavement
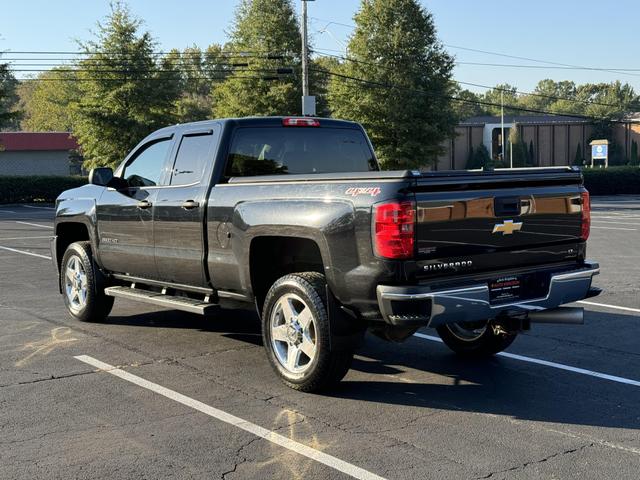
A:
(427, 375)
(239, 324)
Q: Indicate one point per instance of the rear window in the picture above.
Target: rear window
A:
(281, 150)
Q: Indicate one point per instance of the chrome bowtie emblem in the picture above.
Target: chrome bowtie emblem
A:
(507, 228)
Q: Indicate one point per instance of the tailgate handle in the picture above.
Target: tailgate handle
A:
(507, 206)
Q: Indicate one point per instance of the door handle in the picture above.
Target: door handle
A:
(190, 204)
(144, 204)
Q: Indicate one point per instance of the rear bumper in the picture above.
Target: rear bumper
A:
(433, 308)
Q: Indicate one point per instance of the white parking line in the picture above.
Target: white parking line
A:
(616, 217)
(614, 223)
(547, 363)
(34, 224)
(318, 456)
(39, 208)
(616, 228)
(615, 307)
(25, 253)
(25, 238)
(513, 356)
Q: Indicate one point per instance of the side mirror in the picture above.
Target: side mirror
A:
(101, 176)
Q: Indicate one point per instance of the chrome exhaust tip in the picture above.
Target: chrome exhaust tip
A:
(561, 315)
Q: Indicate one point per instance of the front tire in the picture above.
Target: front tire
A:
(82, 285)
(296, 334)
(475, 339)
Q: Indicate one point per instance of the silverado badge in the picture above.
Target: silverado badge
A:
(507, 228)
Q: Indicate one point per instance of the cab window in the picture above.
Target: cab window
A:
(145, 169)
(192, 158)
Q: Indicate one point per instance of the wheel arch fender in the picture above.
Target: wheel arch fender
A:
(328, 223)
(75, 221)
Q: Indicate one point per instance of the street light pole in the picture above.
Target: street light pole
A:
(502, 124)
(308, 101)
(305, 52)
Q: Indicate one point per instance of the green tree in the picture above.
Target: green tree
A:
(519, 148)
(552, 96)
(48, 101)
(199, 71)
(608, 101)
(470, 160)
(8, 98)
(125, 92)
(532, 157)
(502, 94)
(319, 82)
(481, 159)
(403, 83)
(468, 104)
(263, 29)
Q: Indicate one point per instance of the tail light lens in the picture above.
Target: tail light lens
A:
(586, 215)
(394, 229)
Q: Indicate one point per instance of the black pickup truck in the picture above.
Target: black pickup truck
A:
(294, 216)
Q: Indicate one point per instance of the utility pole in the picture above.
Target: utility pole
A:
(502, 124)
(308, 101)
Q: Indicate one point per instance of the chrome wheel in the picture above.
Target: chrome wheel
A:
(293, 333)
(75, 281)
(468, 331)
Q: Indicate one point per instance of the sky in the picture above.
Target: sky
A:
(584, 33)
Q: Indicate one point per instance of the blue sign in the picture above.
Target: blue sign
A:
(599, 151)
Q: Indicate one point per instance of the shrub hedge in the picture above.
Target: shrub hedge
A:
(612, 180)
(31, 189)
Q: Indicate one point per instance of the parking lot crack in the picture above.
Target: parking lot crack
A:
(537, 462)
(48, 379)
(239, 458)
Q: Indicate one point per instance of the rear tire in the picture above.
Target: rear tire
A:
(296, 334)
(475, 339)
(82, 285)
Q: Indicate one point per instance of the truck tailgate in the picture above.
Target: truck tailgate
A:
(476, 221)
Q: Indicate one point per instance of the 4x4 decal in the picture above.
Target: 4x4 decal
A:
(355, 191)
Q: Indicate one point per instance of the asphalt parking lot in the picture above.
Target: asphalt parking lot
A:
(195, 398)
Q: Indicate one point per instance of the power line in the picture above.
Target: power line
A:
(279, 70)
(542, 95)
(125, 79)
(454, 98)
(624, 71)
(547, 67)
(159, 53)
(551, 97)
(558, 64)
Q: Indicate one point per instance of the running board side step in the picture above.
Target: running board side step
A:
(162, 300)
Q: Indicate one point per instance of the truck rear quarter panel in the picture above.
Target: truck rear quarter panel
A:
(335, 215)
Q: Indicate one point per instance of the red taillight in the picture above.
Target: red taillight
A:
(394, 225)
(586, 215)
(300, 122)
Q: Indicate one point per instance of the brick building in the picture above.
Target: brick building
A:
(555, 138)
(38, 153)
